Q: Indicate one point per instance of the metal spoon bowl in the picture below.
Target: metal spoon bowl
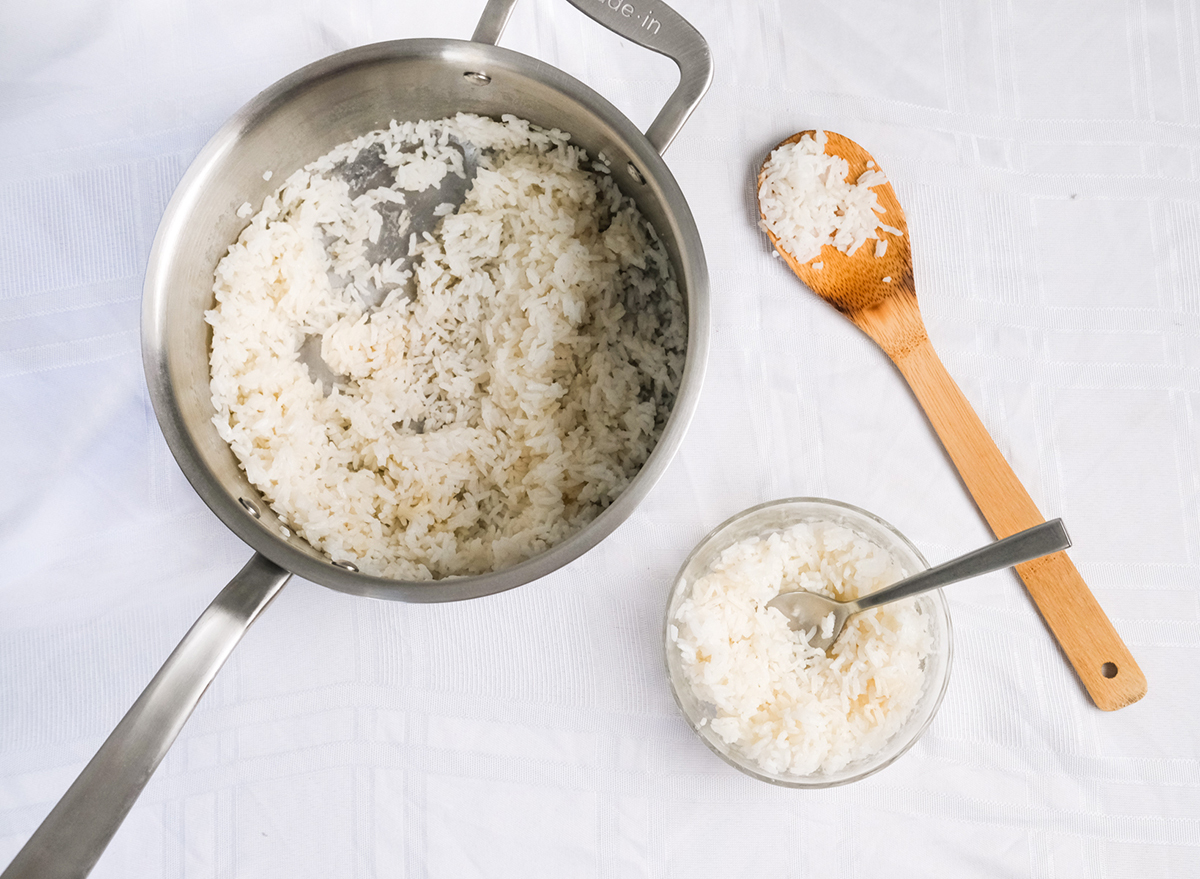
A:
(809, 611)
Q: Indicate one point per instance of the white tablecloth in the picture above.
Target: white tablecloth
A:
(1047, 156)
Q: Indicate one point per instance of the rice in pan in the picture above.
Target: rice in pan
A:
(513, 381)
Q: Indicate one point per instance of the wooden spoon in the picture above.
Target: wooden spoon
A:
(887, 312)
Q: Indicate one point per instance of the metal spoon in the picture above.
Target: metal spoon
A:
(878, 295)
(808, 610)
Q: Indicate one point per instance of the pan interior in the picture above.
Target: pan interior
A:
(303, 117)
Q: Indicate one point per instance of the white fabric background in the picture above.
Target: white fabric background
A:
(1047, 155)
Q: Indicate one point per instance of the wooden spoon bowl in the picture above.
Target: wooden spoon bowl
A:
(886, 310)
(853, 283)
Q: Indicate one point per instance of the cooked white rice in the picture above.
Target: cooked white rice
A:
(787, 707)
(807, 201)
(480, 420)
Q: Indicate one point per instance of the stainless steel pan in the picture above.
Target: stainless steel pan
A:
(291, 123)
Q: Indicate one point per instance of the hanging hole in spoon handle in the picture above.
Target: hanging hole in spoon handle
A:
(654, 26)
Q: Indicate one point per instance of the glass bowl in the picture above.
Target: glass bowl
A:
(778, 515)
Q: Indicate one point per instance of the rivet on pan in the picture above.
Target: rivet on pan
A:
(476, 78)
(251, 507)
(349, 566)
(635, 173)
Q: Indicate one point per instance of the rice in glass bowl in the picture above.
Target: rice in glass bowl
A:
(756, 693)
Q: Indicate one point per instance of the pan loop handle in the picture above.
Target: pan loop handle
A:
(652, 25)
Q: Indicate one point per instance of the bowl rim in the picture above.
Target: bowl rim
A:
(936, 596)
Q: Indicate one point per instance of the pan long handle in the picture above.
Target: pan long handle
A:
(79, 828)
(652, 25)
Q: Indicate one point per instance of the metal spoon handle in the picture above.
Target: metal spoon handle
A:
(1023, 546)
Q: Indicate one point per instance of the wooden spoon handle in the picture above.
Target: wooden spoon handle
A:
(1084, 632)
